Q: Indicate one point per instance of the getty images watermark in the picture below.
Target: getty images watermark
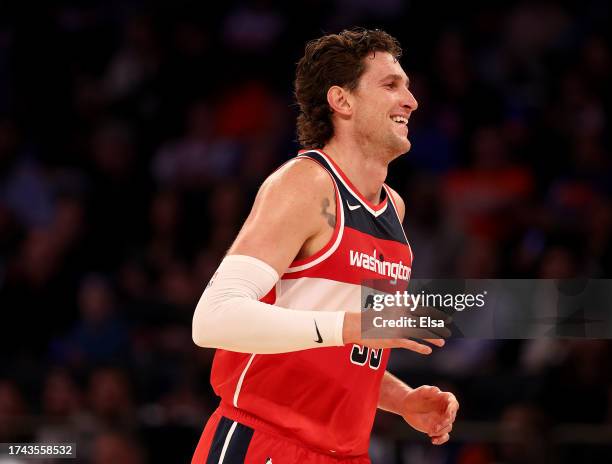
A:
(426, 310)
(487, 309)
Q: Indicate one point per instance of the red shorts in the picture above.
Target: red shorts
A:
(225, 441)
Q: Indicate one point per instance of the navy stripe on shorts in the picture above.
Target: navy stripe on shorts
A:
(237, 447)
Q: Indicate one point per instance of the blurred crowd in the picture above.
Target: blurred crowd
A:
(134, 136)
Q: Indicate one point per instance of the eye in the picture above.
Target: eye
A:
(390, 85)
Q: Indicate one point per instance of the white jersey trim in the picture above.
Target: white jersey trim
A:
(364, 204)
(390, 195)
(239, 384)
(336, 243)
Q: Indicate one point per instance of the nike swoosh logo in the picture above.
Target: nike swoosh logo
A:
(319, 339)
(352, 207)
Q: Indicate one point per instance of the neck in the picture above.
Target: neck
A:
(366, 170)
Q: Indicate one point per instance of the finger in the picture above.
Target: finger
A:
(441, 332)
(429, 389)
(441, 430)
(434, 313)
(426, 332)
(436, 341)
(452, 407)
(440, 440)
(414, 346)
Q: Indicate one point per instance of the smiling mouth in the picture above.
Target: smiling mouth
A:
(400, 120)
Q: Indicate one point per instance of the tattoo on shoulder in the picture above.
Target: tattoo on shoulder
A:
(331, 217)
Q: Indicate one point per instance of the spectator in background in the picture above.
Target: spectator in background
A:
(61, 396)
(198, 157)
(481, 200)
(63, 409)
(118, 194)
(101, 334)
(110, 401)
(116, 448)
(137, 60)
(13, 410)
(520, 423)
(24, 185)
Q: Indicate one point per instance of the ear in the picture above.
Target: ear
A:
(339, 100)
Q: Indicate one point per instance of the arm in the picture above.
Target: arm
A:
(393, 394)
(285, 217)
(426, 409)
(294, 210)
(293, 215)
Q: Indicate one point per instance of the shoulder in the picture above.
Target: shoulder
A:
(399, 203)
(287, 213)
(301, 179)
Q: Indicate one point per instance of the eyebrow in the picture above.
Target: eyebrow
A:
(396, 77)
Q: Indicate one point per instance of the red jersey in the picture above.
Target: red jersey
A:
(325, 398)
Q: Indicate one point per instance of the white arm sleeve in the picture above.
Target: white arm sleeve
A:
(229, 315)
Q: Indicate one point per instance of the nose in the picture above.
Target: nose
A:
(409, 101)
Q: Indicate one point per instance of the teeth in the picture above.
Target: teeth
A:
(400, 119)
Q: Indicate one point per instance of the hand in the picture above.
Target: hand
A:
(404, 343)
(351, 333)
(431, 411)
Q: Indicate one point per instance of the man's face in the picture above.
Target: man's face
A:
(382, 105)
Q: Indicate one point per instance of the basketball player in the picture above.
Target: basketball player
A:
(297, 382)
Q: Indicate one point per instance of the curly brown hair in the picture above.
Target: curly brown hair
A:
(334, 59)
